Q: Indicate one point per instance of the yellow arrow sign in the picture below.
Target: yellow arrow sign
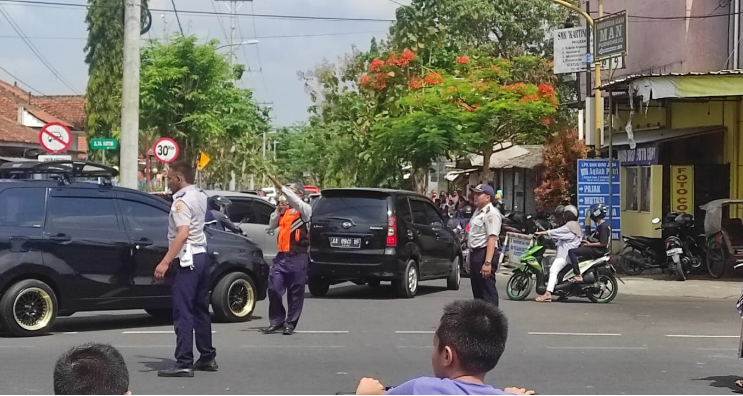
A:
(203, 160)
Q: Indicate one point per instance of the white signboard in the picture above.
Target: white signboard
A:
(517, 245)
(570, 50)
(50, 158)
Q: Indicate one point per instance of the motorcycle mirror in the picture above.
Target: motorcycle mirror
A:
(656, 221)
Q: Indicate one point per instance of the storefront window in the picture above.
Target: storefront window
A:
(630, 189)
(637, 188)
(645, 189)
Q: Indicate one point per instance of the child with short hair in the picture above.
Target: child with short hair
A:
(468, 343)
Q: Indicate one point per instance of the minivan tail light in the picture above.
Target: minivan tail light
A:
(391, 232)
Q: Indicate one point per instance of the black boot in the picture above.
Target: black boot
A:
(206, 365)
(288, 330)
(272, 329)
(176, 372)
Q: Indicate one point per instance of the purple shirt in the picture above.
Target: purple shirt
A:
(443, 386)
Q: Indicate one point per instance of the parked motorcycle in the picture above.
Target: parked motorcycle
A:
(599, 281)
(641, 253)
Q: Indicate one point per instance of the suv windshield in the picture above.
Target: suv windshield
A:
(367, 210)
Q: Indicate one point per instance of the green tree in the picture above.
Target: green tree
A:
(187, 94)
(105, 57)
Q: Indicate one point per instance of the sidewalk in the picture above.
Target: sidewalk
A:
(664, 286)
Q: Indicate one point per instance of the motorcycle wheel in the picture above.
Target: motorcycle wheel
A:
(629, 263)
(519, 286)
(679, 269)
(609, 288)
(715, 259)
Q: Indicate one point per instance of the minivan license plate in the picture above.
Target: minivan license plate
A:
(672, 252)
(345, 243)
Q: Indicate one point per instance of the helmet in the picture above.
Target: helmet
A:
(597, 211)
(467, 212)
(570, 213)
(217, 202)
(559, 210)
(499, 205)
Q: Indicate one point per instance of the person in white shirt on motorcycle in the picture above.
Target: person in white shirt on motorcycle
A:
(567, 237)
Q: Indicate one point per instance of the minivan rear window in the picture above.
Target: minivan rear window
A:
(364, 210)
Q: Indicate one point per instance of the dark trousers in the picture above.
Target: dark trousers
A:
(191, 311)
(583, 253)
(288, 275)
(483, 288)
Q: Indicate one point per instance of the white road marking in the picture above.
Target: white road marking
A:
(415, 346)
(602, 348)
(698, 336)
(70, 332)
(152, 332)
(575, 334)
(643, 316)
(144, 346)
(415, 332)
(292, 346)
(717, 349)
(16, 346)
(322, 331)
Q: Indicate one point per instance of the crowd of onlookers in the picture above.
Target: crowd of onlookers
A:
(468, 343)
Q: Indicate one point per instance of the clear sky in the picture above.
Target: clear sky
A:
(59, 34)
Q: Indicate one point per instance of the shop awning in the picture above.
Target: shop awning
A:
(680, 85)
(663, 135)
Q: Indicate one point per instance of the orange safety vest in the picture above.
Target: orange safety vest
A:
(292, 232)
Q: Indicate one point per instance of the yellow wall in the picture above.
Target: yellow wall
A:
(640, 223)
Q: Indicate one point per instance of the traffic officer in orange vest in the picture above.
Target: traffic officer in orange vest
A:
(289, 271)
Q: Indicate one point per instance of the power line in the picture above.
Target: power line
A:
(219, 19)
(177, 18)
(35, 50)
(207, 13)
(239, 38)
(21, 81)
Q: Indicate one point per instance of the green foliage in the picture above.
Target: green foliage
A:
(104, 55)
(187, 94)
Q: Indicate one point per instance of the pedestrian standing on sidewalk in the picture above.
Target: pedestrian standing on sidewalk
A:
(483, 242)
(289, 271)
(187, 258)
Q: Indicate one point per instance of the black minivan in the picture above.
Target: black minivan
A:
(370, 235)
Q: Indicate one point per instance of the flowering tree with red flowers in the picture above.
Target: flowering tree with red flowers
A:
(561, 154)
(470, 109)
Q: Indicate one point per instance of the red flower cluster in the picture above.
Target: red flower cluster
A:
(433, 78)
(416, 83)
(529, 98)
(546, 90)
(402, 61)
(376, 65)
(547, 121)
(464, 60)
(514, 88)
(497, 69)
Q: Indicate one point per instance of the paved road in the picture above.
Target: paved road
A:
(635, 345)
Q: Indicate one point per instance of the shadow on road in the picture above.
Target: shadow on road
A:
(155, 364)
(107, 322)
(723, 381)
(383, 292)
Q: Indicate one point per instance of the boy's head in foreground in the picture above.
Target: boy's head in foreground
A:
(470, 339)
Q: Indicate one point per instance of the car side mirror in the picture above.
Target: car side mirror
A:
(437, 226)
(656, 221)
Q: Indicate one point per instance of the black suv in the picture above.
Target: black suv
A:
(371, 235)
(68, 245)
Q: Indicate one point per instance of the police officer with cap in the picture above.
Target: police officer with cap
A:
(483, 241)
(289, 271)
(187, 259)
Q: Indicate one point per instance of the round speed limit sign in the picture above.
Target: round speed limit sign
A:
(166, 150)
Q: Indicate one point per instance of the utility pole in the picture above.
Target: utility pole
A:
(128, 161)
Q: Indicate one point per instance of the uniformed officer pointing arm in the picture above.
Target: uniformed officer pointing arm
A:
(181, 214)
(296, 203)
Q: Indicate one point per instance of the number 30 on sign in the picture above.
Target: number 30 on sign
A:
(166, 150)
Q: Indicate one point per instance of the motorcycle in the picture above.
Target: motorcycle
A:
(641, 253)
(599, 281)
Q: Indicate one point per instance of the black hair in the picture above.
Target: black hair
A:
(91, 369)
(185, 169)
(477, 331)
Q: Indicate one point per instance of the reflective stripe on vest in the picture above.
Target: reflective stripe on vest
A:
(289, 225)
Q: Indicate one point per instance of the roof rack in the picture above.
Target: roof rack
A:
(65, 171)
